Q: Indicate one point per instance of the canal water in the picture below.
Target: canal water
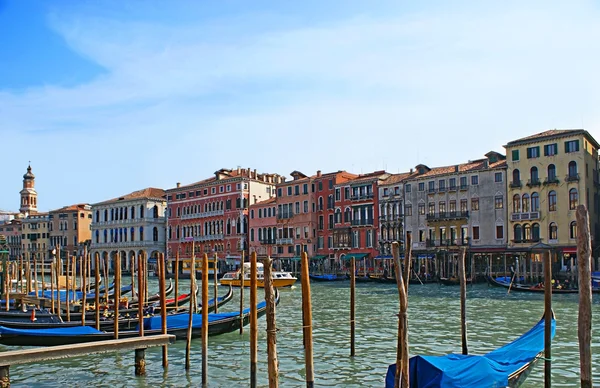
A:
(494, 318)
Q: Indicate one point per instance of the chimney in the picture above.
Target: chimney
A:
(318, 173)
(254, 173)
(456, 168)
(239, 170)
(411, 170)
(178, 184)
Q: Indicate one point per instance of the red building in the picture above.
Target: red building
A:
(356, 218)
(263, 227)
(213, 214)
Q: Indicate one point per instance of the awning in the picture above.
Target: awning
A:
(318, 257)
(357, 256)
(569, 250)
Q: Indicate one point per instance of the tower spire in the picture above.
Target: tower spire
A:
(28, 193)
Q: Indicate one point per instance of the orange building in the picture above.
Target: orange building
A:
(70, 228)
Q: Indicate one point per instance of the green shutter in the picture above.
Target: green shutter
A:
(515, 155)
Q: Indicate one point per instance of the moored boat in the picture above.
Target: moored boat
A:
(280, 278)
(328, 277)
(454, 281)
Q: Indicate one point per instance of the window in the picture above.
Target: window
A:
(452, 183)
(279, 192)
(476, 233)
(297, 207)
(331, 221)
(573, 230)
(516, 174)
(535, 202)
(289, 190)
(527, 232)
(297, 190)
(463, 182)
(369, 238)
(572, 146)
(535, 232)
(421, 209)
(338, 194)
(408, 210)
(573, 199)
(431, 186)
(533, 152)
(552, 201)
(553, 231)
(442, 184)
(525, 203)
(498, 202)
(260, 215)
(385, 192)
(474, 204)
(518, 233)
(422, 186)
(442, 208)
(320, 185)
(498, 177)
(551, 173)
(431, 208)
(572, 169)
(305, 206)
(421, 235)
(407, 188)
(252, 213)
(516, 203)
(533, 173)
(347, 215)
(452, 206)
(305, 188)
(515, 155)
(550, 149)
(475, 180)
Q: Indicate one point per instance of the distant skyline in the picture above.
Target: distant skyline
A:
(108, 97)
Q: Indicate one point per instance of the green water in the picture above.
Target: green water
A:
(494, 318)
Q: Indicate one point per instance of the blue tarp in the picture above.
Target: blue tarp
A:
(178, 321)
(490, 370)
(60, 331)
(326, 277)
(77, 295)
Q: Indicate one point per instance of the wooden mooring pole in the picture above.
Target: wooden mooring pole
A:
(140, 354)
(242, 295)
(352, 306)
(272, 363)
(463, 299)
(547, 319)
(58, 270)
(253, 321)
(84, 283)
(307, 322)
(67, 288)
(188, 345)
(97, 288)
(205, 320)
(401, 378)
(215, 283)
(584, 266)
(163, 306)
(117, 293)
(177, 282)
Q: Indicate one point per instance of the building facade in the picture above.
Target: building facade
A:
(391, 213)
(28, 194)
(550, 173)
(263, 228)
(36, 236)
(12, 230)
(69, 228)
(132, 224)
(457, 206)
(212, 214)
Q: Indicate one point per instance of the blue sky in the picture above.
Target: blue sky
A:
(108, 97)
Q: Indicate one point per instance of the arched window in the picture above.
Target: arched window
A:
(141, 211)
(551, 173)
(97, 236)
(525, 203)
(347, 215)
(238, 226)
(121, 213)
(260, 235)
(534, 175)
(516, 203)
(132, 212)
(516, 177)
(553, 231)
(338, 216)
(535, 202)
(572, 169)
(141, 233)
(112, 214)
(270, 236)
(229, 226)
(155, 234)
(105, 215)
(97, 215)
(526, 232)
(552, 201)
(573, 230)
(573, 199)
(155, 210)
(320, 203)
(132, 234)
(535, 232)
(252, 234)
(518, 233)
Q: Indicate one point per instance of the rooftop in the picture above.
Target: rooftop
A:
(551, 134)
(147, 193)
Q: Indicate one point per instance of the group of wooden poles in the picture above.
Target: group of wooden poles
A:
(584, 253)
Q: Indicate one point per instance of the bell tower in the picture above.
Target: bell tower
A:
(28, 194)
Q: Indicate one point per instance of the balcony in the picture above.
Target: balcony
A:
(464, 187)
(213, 213)
(452, 188)
(572, 178)
(447, 215)
(129, 221)
(526, 240)
(367, 222)
(285, 215)
(457, 242)
(533, 182)
(551, 181)
(515, 185)
(284, 241)
(390, 218)
(525, 216)
(431, 190)
(267, 241)
(207, 237)
(127, 244)
(442, 189)
(361, 197)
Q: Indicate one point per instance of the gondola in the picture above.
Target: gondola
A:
(155, 297)
(453, 281)
(50, 321)
(177, 325)
(74, 296)
(328, 277)
(507, 366)
(382, 279)
(524, 288)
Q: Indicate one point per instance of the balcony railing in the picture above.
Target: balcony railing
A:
(572, 178)
(127, 244)
(431, 190)
(525, 216)
(285, 215)
(366, 222)
(515, 184)
(464, 187)
(551, 181)
(267, 241)
(284, 241)
(390, 218)
(207, 237)
(458, 242)
(452, 188)
(533, 182)
(130, 221)
(212, 213)
(442, 189)
(447, 215)
(361, 197)
(526, 240)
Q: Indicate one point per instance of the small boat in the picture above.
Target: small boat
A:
(507, 366)
(280, 278)
(328, 277)
(155, 297)
(528, 288)
(453, 281)
(382, 278)
(177, 325)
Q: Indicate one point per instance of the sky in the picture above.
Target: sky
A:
(108, 97)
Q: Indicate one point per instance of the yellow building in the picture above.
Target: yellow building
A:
(70, 228)
(549, 175)
(36, 236)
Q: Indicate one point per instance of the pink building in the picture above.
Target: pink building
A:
(263, 227)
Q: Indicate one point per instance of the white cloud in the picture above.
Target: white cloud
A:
(178, 102)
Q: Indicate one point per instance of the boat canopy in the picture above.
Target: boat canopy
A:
(259, 267)
(471, 371)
